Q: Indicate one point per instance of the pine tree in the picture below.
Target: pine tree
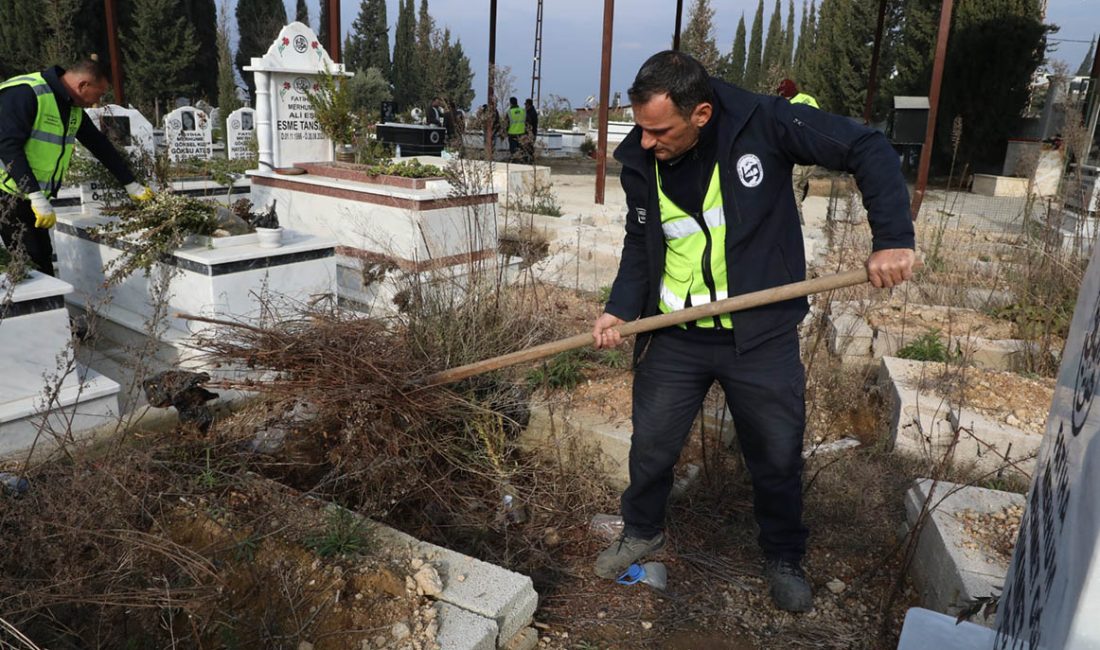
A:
(404, 57)
(698, 38)
(368, 44)
(735, 69)
(160, 48)
(58, 19)
(752, 61)
(773, 48)
(1085, 69)
(456, 82)
(787, 60)
(228, 101)
(428, 70)
(20, 37)
(258, 23)
(301, 12)
(203, 16)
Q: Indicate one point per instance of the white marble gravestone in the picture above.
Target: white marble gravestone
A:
(286, 128)
(1051, 596)
(125, 125)
(240, 132)
(189, 133)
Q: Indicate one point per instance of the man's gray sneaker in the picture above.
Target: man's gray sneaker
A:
(789, 588)
(625, 551)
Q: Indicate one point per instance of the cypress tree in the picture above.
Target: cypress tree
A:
(698, 38)
(227, 81)
(735, 71)
(787, 60)
(58, 18)
(428, 70)
(258, 23)
(773, 48)
(368, 44)
(1085, 69)
(20, 38)
(752, 60)
(203, 16)
(800, 50)
(301, 12)
(404, 57)
(322, 27)
(160, 48)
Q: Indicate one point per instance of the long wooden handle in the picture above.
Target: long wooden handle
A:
(736, 303)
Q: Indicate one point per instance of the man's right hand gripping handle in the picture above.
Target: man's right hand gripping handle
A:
(44, 215)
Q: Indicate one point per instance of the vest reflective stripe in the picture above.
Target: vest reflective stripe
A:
(688, 261)
(714, 218)
(517, 121)
(52, 138)
(50, 145)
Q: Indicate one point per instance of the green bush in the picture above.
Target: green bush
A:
(926, 347)
(344, 534)
(565, 370)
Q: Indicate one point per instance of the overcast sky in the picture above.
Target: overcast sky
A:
(572, 32)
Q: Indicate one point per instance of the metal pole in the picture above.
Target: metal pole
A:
(334, 30)
(116, 56)
(605, 93)
(872, 79)
(679, 16)
(491, 112)
(933, 105)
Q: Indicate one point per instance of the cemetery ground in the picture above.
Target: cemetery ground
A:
(175, 536)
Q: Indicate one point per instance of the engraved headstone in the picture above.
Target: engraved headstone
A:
(240, 132)
(189, 134)
(1051, 597)
(287, 131)
(126, 126)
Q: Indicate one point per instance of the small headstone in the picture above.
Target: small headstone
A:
(189, 134)
(240, 132)
(126, 126)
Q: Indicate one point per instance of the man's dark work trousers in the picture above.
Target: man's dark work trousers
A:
(765, 390)
(17, 229)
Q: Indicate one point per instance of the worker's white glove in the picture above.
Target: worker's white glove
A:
(44, 216)
(139, 192)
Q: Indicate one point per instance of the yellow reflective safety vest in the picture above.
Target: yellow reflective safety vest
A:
(517, 121)
(695, 254)
(50, 146)
(803, 98)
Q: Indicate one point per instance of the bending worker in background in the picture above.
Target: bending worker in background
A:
(711, 214)
(41, 118)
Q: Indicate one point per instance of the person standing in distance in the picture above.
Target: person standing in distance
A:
(41, 118)
(516, 126)
(710, 214)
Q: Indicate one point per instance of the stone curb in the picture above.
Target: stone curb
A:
(948, 574)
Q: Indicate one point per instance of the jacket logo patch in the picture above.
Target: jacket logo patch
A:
(641, 212)
(750, 170)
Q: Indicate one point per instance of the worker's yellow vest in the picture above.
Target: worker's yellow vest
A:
(50, 146)
(517, 121)
(695, 248)
(803, 98)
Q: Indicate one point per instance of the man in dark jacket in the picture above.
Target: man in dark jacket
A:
(41, 117)
(711, 214)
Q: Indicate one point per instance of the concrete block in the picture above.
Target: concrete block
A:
(990, 185)
(526, 639)
(946, 573)
(919, 424)
(992, 444)
(564, 433)
(460, 629)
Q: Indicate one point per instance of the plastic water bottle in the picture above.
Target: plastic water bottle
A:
(653, 574)
(13, 484)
